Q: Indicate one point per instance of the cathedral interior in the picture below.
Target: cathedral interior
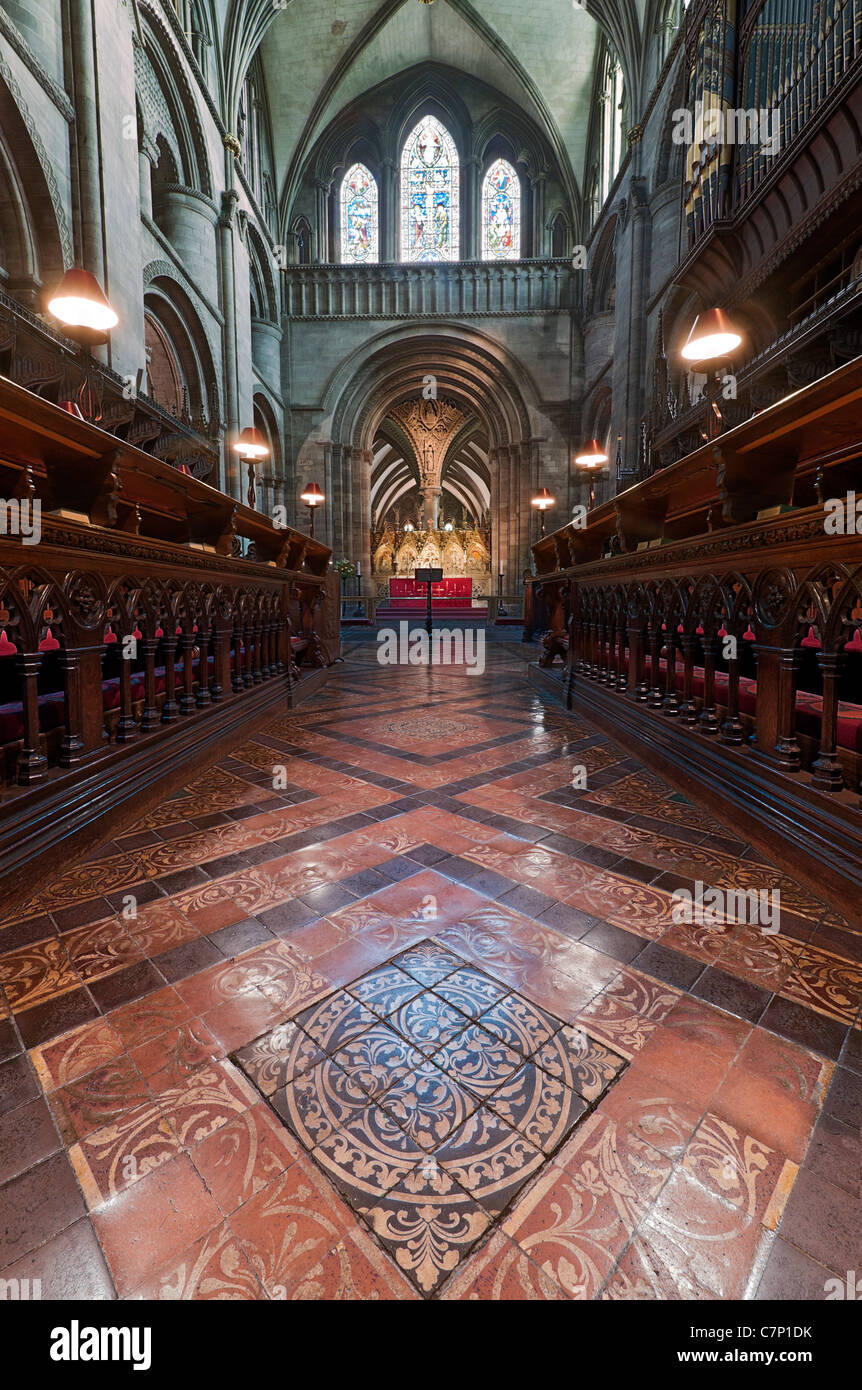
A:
(533, 973)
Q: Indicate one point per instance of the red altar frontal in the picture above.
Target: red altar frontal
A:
(449, 593)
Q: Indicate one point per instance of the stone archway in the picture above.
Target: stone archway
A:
(466, 368)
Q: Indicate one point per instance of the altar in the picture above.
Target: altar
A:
(448, 593)
(451, 599)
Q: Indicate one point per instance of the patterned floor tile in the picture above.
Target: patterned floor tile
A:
(428, 1023)
(427, 1233)
(453, 1084)
(542, 1108)
(429, 1103)
(481, 1060)
(335, 1021)
(469, 991)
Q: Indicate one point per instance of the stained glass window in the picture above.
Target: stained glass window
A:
(359, 216)
(501, 213)
(429, 194)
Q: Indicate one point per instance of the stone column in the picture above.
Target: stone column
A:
(148, 156)
(431, 506)
(538, 183)
(472, 216)
(639, 275)
(364, 519)
(389, 219)
(322, 189)
(88, 154)
(227, 285)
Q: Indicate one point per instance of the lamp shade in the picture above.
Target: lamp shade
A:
(592, 455)
(712, 337)
(543, 499)
(251, 445)
(80, 303)
(312, 496)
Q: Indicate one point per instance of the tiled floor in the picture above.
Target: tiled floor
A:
(381, 1007)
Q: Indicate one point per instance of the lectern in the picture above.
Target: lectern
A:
(428, 577)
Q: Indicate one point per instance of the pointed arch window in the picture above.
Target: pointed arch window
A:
(359, 221)
(501, 213)
(429, 194)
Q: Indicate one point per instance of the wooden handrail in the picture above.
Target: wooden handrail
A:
(792, 454)
(79, 470)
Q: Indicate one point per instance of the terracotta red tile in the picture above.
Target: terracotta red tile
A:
(354, 1269)
(740, 1170)
(653, 1111)
(244, 1156)
(181, 1049)
(694, 1235)
(212, 1268)
(143, 1228)
(290, 1226)
(572, 1233)
(98, 1099)
(238, 1021)
(149, 1017)
(77, 1053)
(501, 1271)
(201, 1103)
(692, 1069)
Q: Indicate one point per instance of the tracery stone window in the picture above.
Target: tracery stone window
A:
(429, 194)
(359, 219)
(501, 213)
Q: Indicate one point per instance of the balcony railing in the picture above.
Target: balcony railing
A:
(453, 289)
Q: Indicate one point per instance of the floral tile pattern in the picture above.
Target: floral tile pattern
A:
(422, 1025)
(428, 1150)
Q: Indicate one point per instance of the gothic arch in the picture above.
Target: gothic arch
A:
(178, 330)
(168, 103)
(262, 284)
(35, 243)
(467, 367)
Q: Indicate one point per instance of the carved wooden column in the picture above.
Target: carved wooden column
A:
(127, 729)
(170, 708)
(654, 692)
(622, 651)
(732, 731)
(187, 700)
(258, 673)
(708, 722)
(826, 769)
(670, 703)
(636, 684)
(688, 709)
(238, 654)
(248, 656)
(221, 678)
(150, 715)
(31, 760)
(775, 736)
(72, 746)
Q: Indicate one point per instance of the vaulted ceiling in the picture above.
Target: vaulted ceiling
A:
(319, 57)
(395, 472)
